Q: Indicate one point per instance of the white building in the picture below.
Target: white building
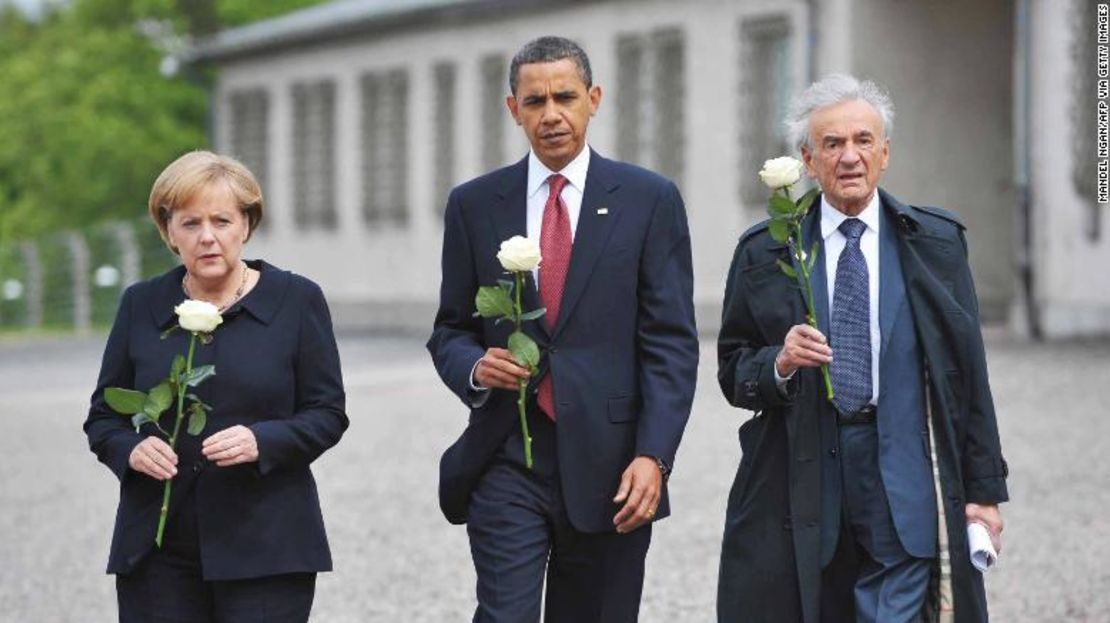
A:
(360, 115)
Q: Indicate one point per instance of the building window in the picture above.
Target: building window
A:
(314, 154)
(494, 76)
(385, 100)
(445, 76)
(248, 140)
(766, 80)
(651, 94)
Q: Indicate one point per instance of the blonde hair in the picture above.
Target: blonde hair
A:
(191, 174)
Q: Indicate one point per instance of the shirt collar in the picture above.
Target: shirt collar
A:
(831, 218)
(575, 171)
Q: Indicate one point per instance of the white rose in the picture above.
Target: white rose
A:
(198, 316)
(519, 254)
(780, 172)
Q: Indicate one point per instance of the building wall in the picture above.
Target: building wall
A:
(948, 67)
(1072, 284)
(390, 275)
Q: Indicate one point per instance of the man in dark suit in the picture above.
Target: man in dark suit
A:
(610, 401)
(834, 512)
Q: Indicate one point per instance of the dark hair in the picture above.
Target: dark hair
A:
(549, 50)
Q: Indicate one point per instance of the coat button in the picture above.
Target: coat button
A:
(832, 452)
(199, 465)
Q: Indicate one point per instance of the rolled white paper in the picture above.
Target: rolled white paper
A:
(979, 544)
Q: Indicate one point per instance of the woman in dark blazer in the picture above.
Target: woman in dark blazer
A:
(244, 536)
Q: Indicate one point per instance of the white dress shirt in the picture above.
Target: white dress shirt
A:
(538, 190)
(536, 193)
(834, 242)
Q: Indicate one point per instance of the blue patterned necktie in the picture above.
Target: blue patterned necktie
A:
(851, 324)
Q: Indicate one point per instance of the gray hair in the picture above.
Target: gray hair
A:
(549, 50)
(830, 91)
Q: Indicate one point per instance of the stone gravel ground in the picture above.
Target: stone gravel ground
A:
(397, 560)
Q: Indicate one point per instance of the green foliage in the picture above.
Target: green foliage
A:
(780, 229)
(494, 302)
(199, 374)
(90, 120)
(524, 350)
(198, 417)
(125, 401)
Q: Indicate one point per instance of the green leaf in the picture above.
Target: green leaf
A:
(788, 269)
(807, 200)
(138, 420)
(167, 332)
(493, 302)
(524, 350)
(506, 284)
(812, 259)
(196, 399)
(177, 367)
(125, 401)
(200, 374)
(781, 206)
(159, 398)
(780, 229)
(534, 314)
(197, 419)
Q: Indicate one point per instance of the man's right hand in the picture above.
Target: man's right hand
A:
(498, 369)
(154, 458)
(804, 347)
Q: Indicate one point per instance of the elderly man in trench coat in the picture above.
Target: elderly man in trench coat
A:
(833, 515)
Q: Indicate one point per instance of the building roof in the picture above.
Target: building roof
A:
(341, 18)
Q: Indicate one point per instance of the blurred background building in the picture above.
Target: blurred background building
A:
(360, 115)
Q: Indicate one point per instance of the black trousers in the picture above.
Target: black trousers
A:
(169, 587)
(519, 533)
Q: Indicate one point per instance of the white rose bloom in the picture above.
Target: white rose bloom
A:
(780, 172)
(519, 254)
(198, 316)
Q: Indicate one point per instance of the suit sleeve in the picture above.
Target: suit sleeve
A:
(319, 418)
(667, 335)
(984, 468)
(110, 434)
(456, 344)
(745, 358)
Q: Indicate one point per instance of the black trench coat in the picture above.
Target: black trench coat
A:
(770, 559)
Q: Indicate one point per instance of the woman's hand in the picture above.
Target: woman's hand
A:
(231, 446)
(154, 458)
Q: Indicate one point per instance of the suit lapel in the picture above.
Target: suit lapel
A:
(590, 235)
(510, 218)
(892, 290)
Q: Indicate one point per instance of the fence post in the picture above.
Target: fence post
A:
(82, 301)
(29, 251)
(131, 256)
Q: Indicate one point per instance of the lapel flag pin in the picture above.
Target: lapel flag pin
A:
(603, 211)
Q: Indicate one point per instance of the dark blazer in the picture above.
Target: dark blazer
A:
(624, 351)
(277, 372)
(771, 555)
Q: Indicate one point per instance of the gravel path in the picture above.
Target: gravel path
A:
(397, 560)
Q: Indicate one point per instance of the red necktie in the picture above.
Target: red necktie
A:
(555, 247)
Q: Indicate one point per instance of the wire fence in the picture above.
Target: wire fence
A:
(72, 280)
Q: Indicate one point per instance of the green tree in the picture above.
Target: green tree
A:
(89, 120)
